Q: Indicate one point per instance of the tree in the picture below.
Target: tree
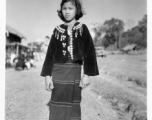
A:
(98, 33)
(137, 35)
(143, 22)
(143, 29)
(114, 27)
(108, 40)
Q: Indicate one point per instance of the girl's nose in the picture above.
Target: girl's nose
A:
(67, 11)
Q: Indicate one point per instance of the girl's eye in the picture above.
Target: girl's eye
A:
(63, 8)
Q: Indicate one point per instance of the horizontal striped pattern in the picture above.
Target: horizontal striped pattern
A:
(64, 103)
(66, 82)
(66, 95)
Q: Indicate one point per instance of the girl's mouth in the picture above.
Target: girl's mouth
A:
(67, 16)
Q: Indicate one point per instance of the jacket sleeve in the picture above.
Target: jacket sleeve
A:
(90, 66)
(48, 62)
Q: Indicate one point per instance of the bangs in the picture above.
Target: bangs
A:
(77, 4)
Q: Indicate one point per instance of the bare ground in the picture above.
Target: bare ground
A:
(118, 93)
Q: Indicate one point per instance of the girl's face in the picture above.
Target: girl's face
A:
(69, 11)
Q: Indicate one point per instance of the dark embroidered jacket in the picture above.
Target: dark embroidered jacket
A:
(80, 48)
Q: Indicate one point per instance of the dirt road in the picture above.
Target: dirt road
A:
(26, 97)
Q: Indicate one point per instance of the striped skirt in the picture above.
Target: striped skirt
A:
(66, 95)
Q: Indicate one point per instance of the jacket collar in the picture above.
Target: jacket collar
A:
(63, 26)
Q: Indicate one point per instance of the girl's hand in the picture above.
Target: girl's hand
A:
(48, 83)
(85, 81)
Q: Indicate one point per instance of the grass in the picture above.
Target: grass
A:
(122, 82)
(131, 68)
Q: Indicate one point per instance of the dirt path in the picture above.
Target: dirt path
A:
(26, 97)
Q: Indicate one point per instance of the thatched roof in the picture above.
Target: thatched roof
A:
(129, 47)
(15, 32)
(13, 44)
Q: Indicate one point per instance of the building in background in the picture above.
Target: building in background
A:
(14, 44)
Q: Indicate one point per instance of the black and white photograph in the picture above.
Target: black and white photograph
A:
(76, 60)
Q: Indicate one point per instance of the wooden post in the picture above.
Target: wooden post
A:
(17, 49)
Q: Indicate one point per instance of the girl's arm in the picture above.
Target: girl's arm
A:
(90, 63)
(85, 81)
(48, 62)
(48, 65)
(49, 83)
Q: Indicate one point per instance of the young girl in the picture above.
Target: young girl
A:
(71, 46)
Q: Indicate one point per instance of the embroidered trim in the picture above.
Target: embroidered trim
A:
(77, 26)
(60, 29)
(64, 52)
(59, 105)
(66, 83)
(64, 103)
(76, 118)
(59, 34)
(58, 82)
(64, 44)
(70, 47)
(70, 65)
(76, 81)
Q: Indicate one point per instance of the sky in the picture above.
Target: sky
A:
(36, 19)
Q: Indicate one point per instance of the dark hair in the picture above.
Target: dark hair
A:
(47, 37)
(77, 3)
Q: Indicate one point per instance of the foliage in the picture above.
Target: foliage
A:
(137, 35)
(98, 30)
(114, 27)
(108, 39)
(111, 32)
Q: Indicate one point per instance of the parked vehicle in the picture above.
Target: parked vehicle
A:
(100, 52)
